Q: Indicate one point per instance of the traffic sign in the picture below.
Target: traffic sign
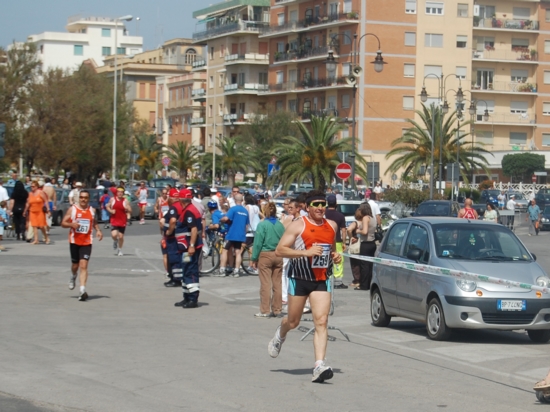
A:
(343, 171)
(166, 161)
(273, 160)
(534, 178)
(272, 168)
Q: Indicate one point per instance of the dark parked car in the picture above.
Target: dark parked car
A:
(437, 208)
(163, 182)
(490, 195)
(542, 199)
(545, 218)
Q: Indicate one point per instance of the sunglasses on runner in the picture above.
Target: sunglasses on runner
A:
(319, 203)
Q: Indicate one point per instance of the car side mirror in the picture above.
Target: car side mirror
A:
(414, 254)
(534, 257)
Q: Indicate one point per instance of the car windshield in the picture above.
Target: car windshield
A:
(151, 194)
(432, 209)
(492, 193)
(547, 210)
(478, 242)
(518, 196)
(348, 210)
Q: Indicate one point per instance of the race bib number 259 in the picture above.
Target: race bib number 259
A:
(321, 261)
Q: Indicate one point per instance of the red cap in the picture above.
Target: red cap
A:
(174, 193)
(186, 194)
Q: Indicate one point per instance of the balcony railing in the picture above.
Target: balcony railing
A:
(302, 53)
(247, 58)
(510, 55)
(308, 114)
(236, 87)
(197, 121)
(311, 21)
(514, 87)
(507, 24)
(198, 92)
(252, 26)
(240, 117)
(199, 63)
(176, 104)
(527, 118)
(307, 84)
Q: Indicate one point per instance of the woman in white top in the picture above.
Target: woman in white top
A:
(490, 214)
(254, 215)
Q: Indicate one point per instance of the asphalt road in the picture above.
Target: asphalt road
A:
(128, 349)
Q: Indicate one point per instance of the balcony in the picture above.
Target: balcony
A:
(239, 118)
(304, 53)
(308, 114)
(311, 23)
(520, 55)
(517, 119)
(246, 88)
(506, 87)
(505, 24)
(198, 121)
(199, 94)
(199, 64)
(306, 85)
(230, 27)
(248, 58)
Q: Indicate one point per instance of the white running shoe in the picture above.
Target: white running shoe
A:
(120, 253)
(71, 282)
(274, 346)
(322, 373)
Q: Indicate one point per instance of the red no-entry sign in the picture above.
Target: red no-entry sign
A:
(343, 171)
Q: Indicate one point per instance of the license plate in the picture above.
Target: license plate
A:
(511, 305)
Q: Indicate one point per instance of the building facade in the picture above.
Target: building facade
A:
(87, 38)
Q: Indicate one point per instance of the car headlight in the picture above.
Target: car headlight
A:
(543, 281)
(544, 219)
(466, 285)
(394, 217)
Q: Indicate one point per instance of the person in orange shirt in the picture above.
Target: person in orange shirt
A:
(81, 219)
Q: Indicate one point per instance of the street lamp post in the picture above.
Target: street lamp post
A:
(352, 79)
(441, 81)
(126, 18)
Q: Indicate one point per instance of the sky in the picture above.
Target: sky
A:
(159, 20)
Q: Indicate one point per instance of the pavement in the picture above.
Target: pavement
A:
(129, 349)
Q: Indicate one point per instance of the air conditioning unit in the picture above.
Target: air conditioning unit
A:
(476, 10)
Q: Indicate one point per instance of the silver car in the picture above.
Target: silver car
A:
(444, 302)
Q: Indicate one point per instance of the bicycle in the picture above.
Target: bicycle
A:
(211, 262)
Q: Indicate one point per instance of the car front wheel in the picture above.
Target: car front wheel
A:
(377, 310)
(435, 321)
(539, 336)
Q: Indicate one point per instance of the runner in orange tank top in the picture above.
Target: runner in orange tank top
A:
(81, 220)
(310, 244)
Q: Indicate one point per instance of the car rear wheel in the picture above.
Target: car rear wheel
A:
(377, 310)
(435, 321)
(539, 336)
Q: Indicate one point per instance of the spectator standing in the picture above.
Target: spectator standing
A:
(337, 217)
(3, 192)
(468, 212)
(236, 235)
(103, 202)
(533, 214)
(368, 245)
(13, 179)
(4, 220)
(254, 216)
(73, 194)
(36, 211)
(270, 267)
(511, 206)
(355, 264)
(490, 214)
(141, 194)
(18, 201)
(501, 200)
(377, 191)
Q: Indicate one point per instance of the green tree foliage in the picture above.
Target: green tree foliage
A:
(233, 159)
(182, 158)
(522, 165)
(413, 149)
(206, 162)
(265, 130)
(149, 153)
(16, 78)
(314, 155)
(409, 197)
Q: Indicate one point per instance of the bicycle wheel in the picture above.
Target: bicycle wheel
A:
(210, 262)
(245, 264)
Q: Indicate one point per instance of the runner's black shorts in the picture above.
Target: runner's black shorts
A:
(79, 253)
(120, 229)
(232, 244)
(300, 287)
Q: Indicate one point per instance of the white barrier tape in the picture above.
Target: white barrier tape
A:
(434, 270)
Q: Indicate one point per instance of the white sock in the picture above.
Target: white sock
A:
(222, 269)
(319, 363)
(82, 289)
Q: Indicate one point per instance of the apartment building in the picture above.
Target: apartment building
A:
(87, 38)
(147, 78)
(235, 66)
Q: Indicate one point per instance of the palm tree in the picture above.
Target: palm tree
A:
(233, 159)
(182, 158)
(414, 147)
(314, 155)
(149, 153)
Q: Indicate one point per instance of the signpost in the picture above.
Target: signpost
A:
(166, 161)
